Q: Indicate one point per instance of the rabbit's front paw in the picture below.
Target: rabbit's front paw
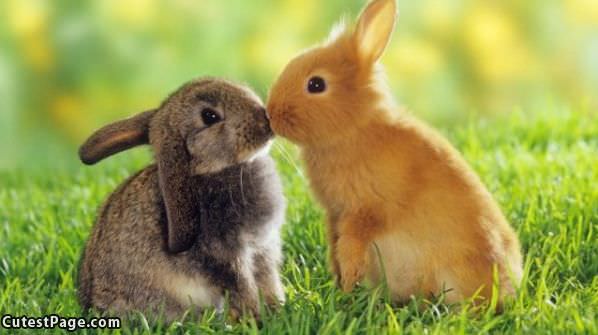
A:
(351, 257)
(352, 271)
(236, 314)
(243, 306)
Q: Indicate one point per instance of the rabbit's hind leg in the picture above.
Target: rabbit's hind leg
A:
(267, 278)
(138, 297)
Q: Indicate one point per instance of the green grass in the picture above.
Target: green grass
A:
(542, 168)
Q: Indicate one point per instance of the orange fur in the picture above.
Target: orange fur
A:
(390, 184)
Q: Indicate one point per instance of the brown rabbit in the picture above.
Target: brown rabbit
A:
(202, 222)
(387, 181)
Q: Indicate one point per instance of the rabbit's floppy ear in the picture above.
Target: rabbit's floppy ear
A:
(374, 29)
(180, 201)
(116, 137)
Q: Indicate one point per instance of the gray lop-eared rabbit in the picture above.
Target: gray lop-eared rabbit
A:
(200, 224)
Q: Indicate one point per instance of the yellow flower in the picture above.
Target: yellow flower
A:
(66, 112)
(27, 17)
(439, 18)
(413, 58)
(278, 37)
(495, 46)
(28, 20)
(583, 11)
(135, 13)
(39, 54)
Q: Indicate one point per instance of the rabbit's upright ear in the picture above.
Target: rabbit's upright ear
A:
(374, 29)
(182, 207)
(116, 137)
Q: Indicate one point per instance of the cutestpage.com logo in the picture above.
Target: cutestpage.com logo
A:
(56, 321)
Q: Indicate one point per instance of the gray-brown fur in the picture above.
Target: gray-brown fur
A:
(202, 221)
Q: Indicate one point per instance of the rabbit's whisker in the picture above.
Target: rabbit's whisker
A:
(289, 159)
(241, 184)
(232, 202)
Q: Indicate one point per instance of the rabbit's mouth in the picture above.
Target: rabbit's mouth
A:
(263, 151)
(253, 152)
(253, 138)
(285, 124)
(252, 141)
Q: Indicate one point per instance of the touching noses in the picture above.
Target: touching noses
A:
(264, 111)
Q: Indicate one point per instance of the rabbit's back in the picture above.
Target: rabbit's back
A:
(109, 254)
(126, 265)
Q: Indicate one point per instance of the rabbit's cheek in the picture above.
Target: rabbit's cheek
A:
(210, 164)
(210, 155)
(191, 142)
(280, 122)
(290, 126)
(244, 149)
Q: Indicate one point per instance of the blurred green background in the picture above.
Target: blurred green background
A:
(67, 67)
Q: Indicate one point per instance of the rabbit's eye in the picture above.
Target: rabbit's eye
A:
(209, 116)
(316, 85)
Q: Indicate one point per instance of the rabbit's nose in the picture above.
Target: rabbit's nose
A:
(265, 120)
(264, 115)
(264, 112)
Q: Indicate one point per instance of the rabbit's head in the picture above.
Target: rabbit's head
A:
(330, 90)
(202, 128)
(218, 124)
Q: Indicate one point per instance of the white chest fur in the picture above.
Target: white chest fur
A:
(408, 266)
(196, 291)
